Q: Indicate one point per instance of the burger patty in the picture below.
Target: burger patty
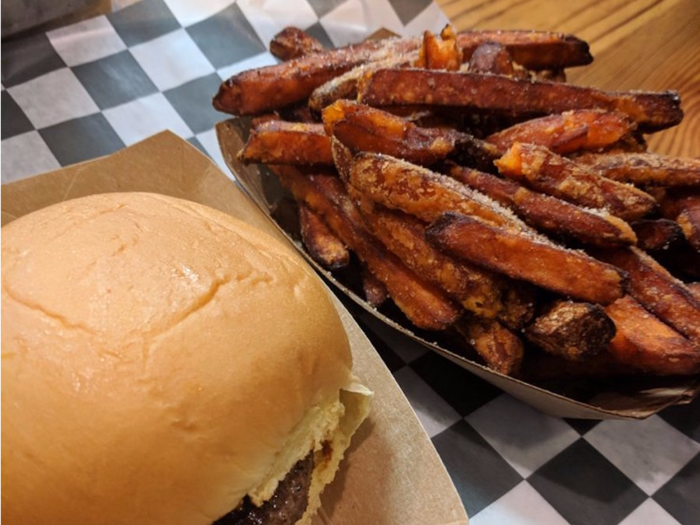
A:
(286, 506)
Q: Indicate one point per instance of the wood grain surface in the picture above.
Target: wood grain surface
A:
(637, 44)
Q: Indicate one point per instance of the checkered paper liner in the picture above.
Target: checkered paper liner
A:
(89, 89)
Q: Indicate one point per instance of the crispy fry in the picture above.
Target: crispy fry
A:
(544, 171)
(689, 221)
(645, 169)
(440, 53)
(657, 290)
(644, 342)
(418, 191)
(572, 330)
(479, 291)
(549, 214)
(362, 128)
(532, 49)
(424, 304)
(292, 42)
(322, 244)
(523, 257)
(567, 132)
(656, 234)
(375, 292)
(500, 348)
(272, 87)
(513, 97)
(280, 142)
(491, 57)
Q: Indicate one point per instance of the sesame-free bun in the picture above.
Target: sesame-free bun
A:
(160, 360)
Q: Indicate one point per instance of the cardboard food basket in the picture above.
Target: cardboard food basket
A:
(391, 473)
(584, 398)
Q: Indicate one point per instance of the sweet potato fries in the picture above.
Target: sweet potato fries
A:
(487, 198)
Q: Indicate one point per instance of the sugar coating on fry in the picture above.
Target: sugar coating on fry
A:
(644, 342)
(418, 191)
(568, 272)
(545, 171)
(293, 42)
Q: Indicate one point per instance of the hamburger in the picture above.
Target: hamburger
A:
(165, 363)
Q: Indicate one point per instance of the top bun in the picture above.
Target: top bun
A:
(157, 355)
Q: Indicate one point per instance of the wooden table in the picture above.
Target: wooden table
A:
(637, 44)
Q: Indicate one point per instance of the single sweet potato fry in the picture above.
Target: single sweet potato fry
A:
(375, 291)
(572, 330)
(519, 256)
(273, 87)
(424, 304)
(582, 129)
(549, 214)
(440, 53)
(295, 143)
(293, 42)
(656, 234)
(514, 97)
(644, 169)
(500, 348)
(321, 243)
(644, 342)
(657, 290)
(362, 128)
(418, 191)
(534, 50)
(545, 171)
(479, 291)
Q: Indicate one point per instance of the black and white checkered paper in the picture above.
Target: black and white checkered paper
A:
(89, 89)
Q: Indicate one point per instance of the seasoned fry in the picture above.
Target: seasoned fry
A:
(549, 214)
(644, 342)
(689, 221)
(657, 290)
(362, 128)
(292, 42)
(544, 171)
(513, 97)
(277, 86)
(520, 256)
(280, 142)
(440, 53)
(478, 290)
(656, 234)
(500, 348)
(532, 49)
(582, 129)
(683, 206)
(491, 57)
(572, 330)
(645, 169)
(423, 304)
(375, 292)
(321, 243)
(418, 191)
